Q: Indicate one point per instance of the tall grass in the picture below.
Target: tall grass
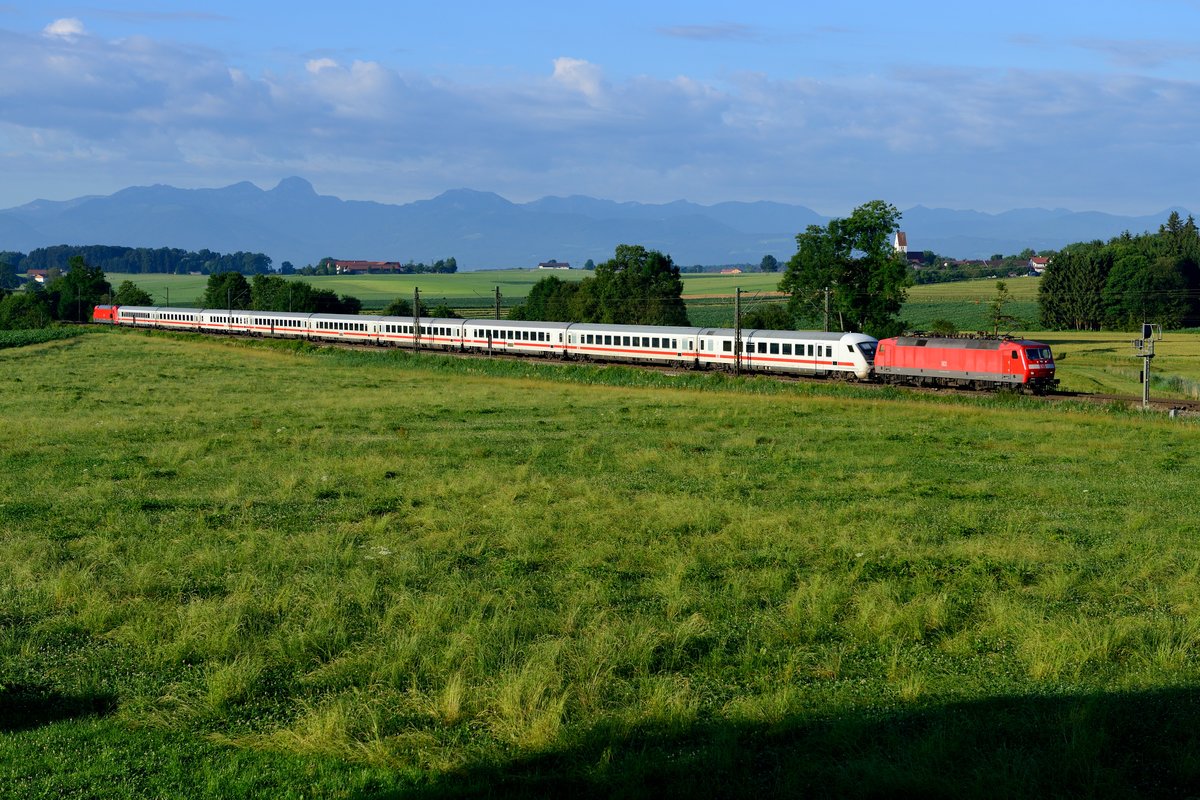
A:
(442, 570)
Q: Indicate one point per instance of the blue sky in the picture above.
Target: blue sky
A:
(1087, 106)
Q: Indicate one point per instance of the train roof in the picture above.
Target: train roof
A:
(816, 336)
(518, 323)
(962, 344)
(593, 327)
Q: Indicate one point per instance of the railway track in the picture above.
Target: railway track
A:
(1183, 408)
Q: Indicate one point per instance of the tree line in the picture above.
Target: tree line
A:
(326, 266)
(68, 297)
(1153, 277)
(231, 290)
(139, 260)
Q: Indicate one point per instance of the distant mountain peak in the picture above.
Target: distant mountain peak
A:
(294, 187)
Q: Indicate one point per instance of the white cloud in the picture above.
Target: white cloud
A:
(580, 76)
(145, 111)
(66, 28)
(317, 64)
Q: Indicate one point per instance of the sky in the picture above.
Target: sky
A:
(1053, 104)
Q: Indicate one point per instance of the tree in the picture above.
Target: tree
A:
(996, 313)
(1140, 290)
(73, 295)
(1070, 292)
(548, 300)
(403, 307)
(639, 287)
(854, 260)
(589, 265)
(286, 268)
(772, 317)
(130, 294)
(942, 327)
(227, 290)
(25, 310)
(769, 263)
(8, 271)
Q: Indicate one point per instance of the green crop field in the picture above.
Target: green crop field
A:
(463, 289)
(257, 569)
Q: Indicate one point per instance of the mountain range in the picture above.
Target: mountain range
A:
(482, 230)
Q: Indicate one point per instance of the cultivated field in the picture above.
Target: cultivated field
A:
(260, 570)
(460, 290)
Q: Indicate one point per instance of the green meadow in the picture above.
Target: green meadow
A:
(709, 296)
(462, 290)
(260, 569)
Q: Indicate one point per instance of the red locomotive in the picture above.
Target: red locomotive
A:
(975, 363)
(105, 314)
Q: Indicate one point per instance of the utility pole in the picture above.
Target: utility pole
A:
(737, 331)
(1145, 350)
(497, 302)
(826, 309)
(416, 318)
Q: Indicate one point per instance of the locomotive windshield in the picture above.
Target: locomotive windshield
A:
(1038, 353)
(868, 351)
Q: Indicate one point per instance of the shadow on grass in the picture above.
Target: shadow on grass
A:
(24, 707)
(1107, 745)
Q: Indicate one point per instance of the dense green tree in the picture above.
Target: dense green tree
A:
(25, 310)
(769, 263)
(273, 293)
(550, 300)
(74, 294)
(146, 260)
(943, 327)
(403, 307)
(1140, 290)
(639, 287)
(1152, 277)
(8, 270)
(769, 317)
(854, 260)
(130, 294)
(1070, 291)
(229, 290)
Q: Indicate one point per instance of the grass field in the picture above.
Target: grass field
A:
(460, 290)
(248, 569)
